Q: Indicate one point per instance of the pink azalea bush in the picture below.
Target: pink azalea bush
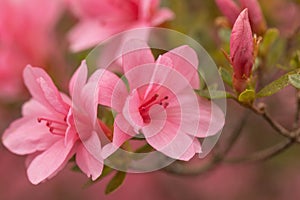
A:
(139, 102)
(46, 132)
(100, 19)
(26, 37)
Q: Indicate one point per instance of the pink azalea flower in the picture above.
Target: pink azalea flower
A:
(241, 51)
(26, 37)
(100, 19)
(47, 132)
(161, 102)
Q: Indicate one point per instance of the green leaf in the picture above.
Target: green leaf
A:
(276, 85)
(268, 40)
(226, 76)
(115, 182)
(144, 149)
(214, 94)
(247, 96)
(294, 80)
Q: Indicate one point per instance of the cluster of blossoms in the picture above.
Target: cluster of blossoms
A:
(157, 100)
(160, 103)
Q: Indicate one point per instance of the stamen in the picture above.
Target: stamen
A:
(55, 127)
(49, 121)
(146, 104)
(57, 132)
(166, 105)
(145, 107)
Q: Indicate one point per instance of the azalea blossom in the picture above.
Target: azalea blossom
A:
(160, 103)
(100, 19)
(26, 37)
(241, 51)
(47, 133)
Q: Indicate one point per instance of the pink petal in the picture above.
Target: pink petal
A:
(131, 110)
(158, 121)
(26, 136)
(36, 109)
(185, 61)
(113, 91)
(122, 132)
(229, 9)
(145, 8)
(87, 163)
(256, 17)
(173, 143)
(47, 163)
(43, 89)
(241, 50)
(79, 78)
(211, 119)
(241, 45)
(161, 16)
(136, 53)
(89, 33)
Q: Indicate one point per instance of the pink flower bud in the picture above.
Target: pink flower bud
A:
(256, 17)
(241, 51)
(229, 9)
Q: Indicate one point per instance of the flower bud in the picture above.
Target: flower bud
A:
(241, 51)
(256, 17)
(229, 9)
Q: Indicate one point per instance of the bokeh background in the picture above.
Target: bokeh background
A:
(277, 178)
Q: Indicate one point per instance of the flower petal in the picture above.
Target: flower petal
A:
(89, 33)
(131, 110)
(122, 132)
(211, 119)
(229, 9)
(113, 91)
(185, 61)
(136, 53)
(79, 78)
(43, 89)
(161, 16)
(173, 143)
(26, 136)
(87, 163)
(47, 163)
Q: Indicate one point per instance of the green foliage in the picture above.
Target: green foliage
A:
(226, 76)
(247, 96)
(268, 40)
(144, 149)
(294, 80)
(115, 182)
(272, 48)
(276, 85)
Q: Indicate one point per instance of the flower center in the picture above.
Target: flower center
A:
(154, 100)
(55, 127)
